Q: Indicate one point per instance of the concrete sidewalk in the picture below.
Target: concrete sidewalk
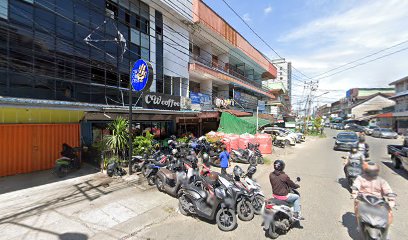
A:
(92, 206)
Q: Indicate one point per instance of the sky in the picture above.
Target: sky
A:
(319, 35)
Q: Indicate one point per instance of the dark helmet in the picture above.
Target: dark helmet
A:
(251, 170)
(279, 165)
(361, 139)
(372, 170)
(205, 157)
(238, 171)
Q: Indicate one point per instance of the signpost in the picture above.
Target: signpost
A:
(141, 78)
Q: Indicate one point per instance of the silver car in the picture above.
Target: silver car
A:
(384, 133)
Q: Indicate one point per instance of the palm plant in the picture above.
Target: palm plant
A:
(117, 141)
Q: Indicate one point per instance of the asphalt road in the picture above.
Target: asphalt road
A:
(326, 202)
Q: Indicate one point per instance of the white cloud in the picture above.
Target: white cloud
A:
(247, 17)
(328, 42)
(267, 10)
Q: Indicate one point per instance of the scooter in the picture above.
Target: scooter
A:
(258, 196)
(373, 216)
(278, 216)
(243, 156)
(171, 181)
(70, 160)
(353, 170)
(242, 198)
(193, 200)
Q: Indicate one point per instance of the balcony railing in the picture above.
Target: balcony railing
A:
(225, 68)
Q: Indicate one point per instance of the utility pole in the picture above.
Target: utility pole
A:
(312, 86)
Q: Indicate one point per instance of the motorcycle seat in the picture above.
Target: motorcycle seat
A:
(278, 202)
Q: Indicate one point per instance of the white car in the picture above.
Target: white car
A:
(290, 139)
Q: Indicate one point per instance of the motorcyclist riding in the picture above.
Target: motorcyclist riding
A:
(354, 156)
(363, 146)
(369, 183)
(281, 185)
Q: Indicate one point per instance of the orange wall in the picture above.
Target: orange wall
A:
(204, 14)
(27, 148)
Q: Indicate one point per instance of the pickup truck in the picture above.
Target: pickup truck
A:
(399, 155)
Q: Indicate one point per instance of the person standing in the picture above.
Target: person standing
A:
(224, 160)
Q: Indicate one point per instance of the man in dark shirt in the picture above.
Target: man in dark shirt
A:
(281, 185)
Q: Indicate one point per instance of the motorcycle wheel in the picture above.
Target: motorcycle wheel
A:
(257, 204)
(61, 171)
(287, 143)
(159, 184)
(151, 180)
(180, 205)
(253, 161)
(261, 160)
(135, 168)
(245, 210)
(226, 219)
(144, 171)
(272, 234)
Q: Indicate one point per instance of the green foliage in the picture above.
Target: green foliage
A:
(182, 140)
(142, 144)
(108, 160)
(117, 141)
(317, 123)
(268, 160)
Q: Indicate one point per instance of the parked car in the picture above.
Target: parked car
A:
(282, 135)
(340, 126)
(356, 128)
(399, 154)
(384, 133)
(369, 129)
(327, 124)
(345, 141)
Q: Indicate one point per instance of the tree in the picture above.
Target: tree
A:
(117, 141)
(317, 123)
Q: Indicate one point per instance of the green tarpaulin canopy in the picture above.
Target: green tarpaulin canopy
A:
(240, 125)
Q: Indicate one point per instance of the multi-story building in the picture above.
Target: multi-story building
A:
(400, 113)
(65, 65)
(284, 76)
(224, 65)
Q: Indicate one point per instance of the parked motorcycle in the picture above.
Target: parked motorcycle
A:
(257, 153)
(243, 156)
(114, 169)
(279, 142)
(70, 160)
(170, 181)
(195, 201)
(278, 216)
(373, 216)
(242, 198)
(255, 189)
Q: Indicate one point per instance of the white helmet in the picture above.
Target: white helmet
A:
(174, 151)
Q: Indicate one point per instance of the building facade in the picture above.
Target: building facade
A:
(400, 113)
(68, 62)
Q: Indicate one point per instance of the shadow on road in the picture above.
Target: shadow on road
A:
(29, 180)
(349, 221)
(400, 171)
(344, 183)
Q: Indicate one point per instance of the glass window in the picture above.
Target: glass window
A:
(134, 6)
(144, 25)
(111, 10)
(145, 54)
(144, 10)
(167, 84)
(134, 53)
(21, 13)
(124, 3)
(4, 9)
(135, 36)
(44, 20)
(145, 40)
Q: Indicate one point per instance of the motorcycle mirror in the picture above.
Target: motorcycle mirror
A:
(343, 157)
(353, 188)
(392, 195)
(298, 179)
(334, 137)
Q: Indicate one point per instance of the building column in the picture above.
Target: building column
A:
(153, 48)
(206, 87)
(206, 53)
(223, 60)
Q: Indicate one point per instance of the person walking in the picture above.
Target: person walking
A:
(224, 160)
